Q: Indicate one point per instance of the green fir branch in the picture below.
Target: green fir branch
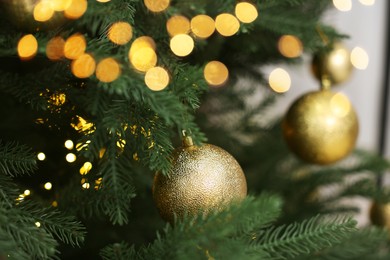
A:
(289, 241)
(16, 159)
(118, 251)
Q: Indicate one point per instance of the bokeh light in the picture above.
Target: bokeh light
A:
(37, 224)
(178, 24)
(41, 156)
(202, 26)
(55, 48)
(70, 157)
(156, 5)
(75, 46)
(69, 144)
(246, 12)
(215, 73)
(367, 2)
(60, 5)
(141, 42)
(84, 66)
(27, 47)
(182, 45)
(227, 24)
(108, 70)
(120, 33)
(343, 5)
(359, 58)
(43, 11)
(290, 46)
(157, 78)
(76, 9)
(87, 166)
(48, 186)
(279, 80)
(143, 59)
(27, 192)
(103, 1)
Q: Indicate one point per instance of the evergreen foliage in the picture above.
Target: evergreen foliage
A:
(128, 132)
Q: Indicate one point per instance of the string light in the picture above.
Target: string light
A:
(43, 11)
(55, 48)
(246, 12)
(290, 46)
(108, 70)
(75, 46)
(227, 24)
(279, 80)
(60, 5)
(120, 33)
(359, 58)
(343, 5)
(182, 45)
(54, 204)
(87, 166)
(84, 66)
(157, 78)
(143, 59)
(215, 73)
(26, 192)
(202, 26)
(69, 144)
(48, 186)
(156, 5)
(178, 24)
(70, 157)
(27, 47)
(41, 156)
(37, 224)
(76, 9)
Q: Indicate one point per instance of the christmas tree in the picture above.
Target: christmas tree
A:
(128, 133)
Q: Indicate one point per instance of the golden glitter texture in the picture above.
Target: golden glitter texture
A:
(202, 179)
(321, 127)
(335, 64)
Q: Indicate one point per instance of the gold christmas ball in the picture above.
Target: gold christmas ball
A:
(202, 179)
(334, 65)
(380, 214)
(321, 127)
(32, 15)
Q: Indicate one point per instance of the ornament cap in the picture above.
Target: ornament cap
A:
(187, 141)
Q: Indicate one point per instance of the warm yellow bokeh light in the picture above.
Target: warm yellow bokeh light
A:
(103, 1)
(48, 186)
(157, 78)
(120, 33)
(143, 59)
(76, 9)
(108, 70)
(75, 46)
(367, 2)
(69, 144)
(178, 24)
(87, 166)
(343, 5)
(202, 26)
(27, 192)
(60, 5)
(156, 5)
(70, 157)
(54, 203)
(85, 185)
(340, 105)
(55, 48)
(37, 224)
(84, 66)
(27, 47)
(227, 24)
(43, 11)
(141, 42)
(215, 73)
(182, 45)
(359, 58)
(279, 80)
(82, 125)
(41, 156)
(290, 46)
(246, 12)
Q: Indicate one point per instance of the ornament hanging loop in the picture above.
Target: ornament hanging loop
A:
(187, 139)
(326, 83)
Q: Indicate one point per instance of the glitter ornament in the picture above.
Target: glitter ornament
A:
(321, 127)
(202, 179)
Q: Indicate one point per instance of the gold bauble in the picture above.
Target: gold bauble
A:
(21, 14)
(321, 127)
(380, 214)
(202, 179)
(334, 65)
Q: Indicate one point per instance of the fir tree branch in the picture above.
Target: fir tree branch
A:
(118, 251)
(297, 239)
(16, 159)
